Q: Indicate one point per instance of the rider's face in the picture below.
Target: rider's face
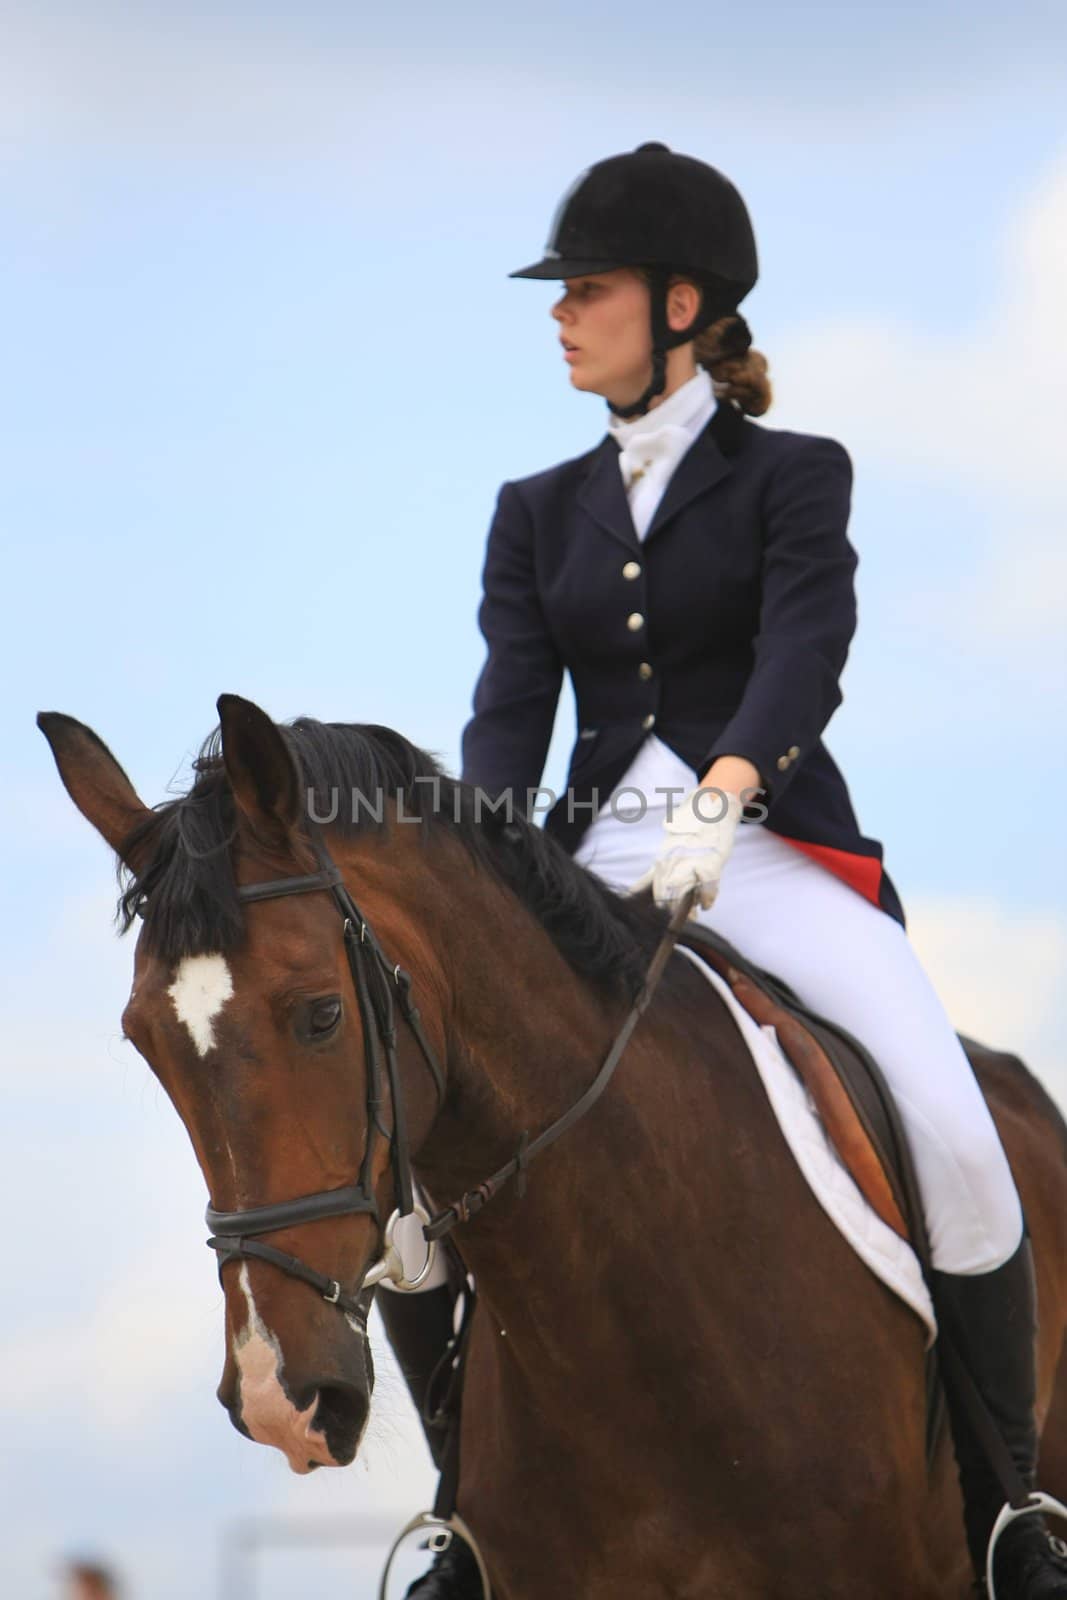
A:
(605, 317)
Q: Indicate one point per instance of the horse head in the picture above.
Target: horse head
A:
(273, 1038)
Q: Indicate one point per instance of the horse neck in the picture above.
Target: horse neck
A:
(524, 1035)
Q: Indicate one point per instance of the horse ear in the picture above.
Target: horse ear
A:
(94, 780)
(262, 773)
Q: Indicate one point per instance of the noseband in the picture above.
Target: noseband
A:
(234, 1234)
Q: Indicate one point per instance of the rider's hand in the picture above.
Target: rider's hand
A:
(696, 846)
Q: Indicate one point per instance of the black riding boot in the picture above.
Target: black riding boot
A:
(991, 1319)
(419, 1327)
(453, 1576)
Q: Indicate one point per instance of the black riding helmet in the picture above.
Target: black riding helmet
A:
(667, 213)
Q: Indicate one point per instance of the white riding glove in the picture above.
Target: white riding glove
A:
(696, 846)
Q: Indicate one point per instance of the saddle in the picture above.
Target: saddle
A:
(843, 1080)
(859, 1116)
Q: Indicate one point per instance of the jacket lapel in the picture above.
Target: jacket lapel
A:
(603, 496)
(700, 469)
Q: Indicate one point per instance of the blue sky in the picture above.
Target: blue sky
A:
(263, 375)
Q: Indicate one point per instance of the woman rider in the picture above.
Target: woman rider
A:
(693, 575)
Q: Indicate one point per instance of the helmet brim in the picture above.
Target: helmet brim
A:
(557, 267)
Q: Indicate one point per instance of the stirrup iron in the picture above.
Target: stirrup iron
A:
(442, 1531)
(1005, 1517)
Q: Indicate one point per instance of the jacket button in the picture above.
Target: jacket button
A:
(644, 671)
(632, 569)
(634, 621)
(794, 751)
(783, 762)
(649, 721)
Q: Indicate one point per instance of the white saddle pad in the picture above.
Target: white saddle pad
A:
(889, 1256)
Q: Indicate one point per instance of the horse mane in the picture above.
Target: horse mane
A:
(187, 895)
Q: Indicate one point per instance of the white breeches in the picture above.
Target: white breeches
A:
(854, 964)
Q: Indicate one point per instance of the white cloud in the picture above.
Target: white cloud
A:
(983, 410)
(1019, 593)
(1001, 976)
(121, 1365)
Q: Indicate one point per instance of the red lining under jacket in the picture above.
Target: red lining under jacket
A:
(726, 630)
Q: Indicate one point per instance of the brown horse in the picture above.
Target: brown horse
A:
(682, 1382)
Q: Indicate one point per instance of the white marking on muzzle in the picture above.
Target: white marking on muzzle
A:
(266, 1410)
(202, 985)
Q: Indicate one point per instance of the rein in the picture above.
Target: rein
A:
(469, 1204)
(235, 1234)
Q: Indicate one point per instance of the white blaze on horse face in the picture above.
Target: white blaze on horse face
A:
(266, 1410)
(202, 985)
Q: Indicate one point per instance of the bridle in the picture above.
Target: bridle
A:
(235, 1235)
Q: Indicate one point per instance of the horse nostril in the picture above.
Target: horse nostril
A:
(340, 1414)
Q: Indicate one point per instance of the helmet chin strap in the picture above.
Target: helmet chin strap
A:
(713, 306)
(661, 338)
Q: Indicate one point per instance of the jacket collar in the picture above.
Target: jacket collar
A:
(603, 496)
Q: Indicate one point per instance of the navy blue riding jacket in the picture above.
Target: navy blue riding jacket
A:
(726, 630)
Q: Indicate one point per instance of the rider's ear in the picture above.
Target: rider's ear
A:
(262, 772)
(96, 783)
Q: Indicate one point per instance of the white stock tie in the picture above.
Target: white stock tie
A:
(646, 450)
(647, 463)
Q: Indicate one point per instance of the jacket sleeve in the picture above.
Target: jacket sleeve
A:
(807, 616)
(506, 741)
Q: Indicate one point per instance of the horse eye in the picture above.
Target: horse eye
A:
(324, 1017)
